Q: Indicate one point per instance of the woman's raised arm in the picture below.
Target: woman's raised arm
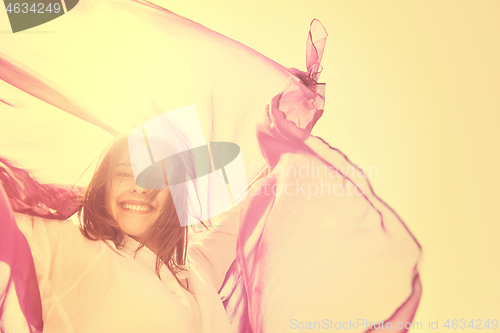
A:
(216, 250)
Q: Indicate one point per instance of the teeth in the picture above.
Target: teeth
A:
(142, 208)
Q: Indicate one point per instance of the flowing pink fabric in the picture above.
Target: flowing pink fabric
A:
(341, 256)
(20, 305)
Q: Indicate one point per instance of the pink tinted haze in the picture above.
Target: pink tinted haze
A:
(309, 247)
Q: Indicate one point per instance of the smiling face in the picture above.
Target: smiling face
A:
(132, 207)
(113, 205)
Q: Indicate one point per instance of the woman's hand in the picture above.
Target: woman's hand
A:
(292, 114)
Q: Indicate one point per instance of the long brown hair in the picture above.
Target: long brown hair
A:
(167, 234)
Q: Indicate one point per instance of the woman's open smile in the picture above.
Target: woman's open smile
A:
(136, 207)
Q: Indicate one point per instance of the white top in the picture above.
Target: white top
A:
(86, 286)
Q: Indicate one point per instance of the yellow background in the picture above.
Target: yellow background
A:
(413, 90)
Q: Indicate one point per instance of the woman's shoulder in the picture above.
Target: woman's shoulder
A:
(48, 235)
(36, 224)
(30, 224)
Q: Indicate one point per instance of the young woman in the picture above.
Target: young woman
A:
(129, 267)
(302, 256)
